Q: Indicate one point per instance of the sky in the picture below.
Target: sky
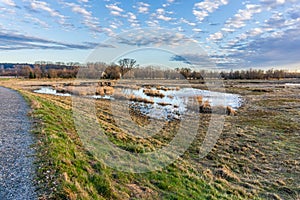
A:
(228, 34)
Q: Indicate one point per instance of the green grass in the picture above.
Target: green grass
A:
(65, 168)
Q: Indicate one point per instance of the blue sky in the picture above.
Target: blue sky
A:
(233, 34)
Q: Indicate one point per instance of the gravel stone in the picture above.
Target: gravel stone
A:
(17, 171)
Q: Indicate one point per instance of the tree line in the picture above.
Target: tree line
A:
(128, 68)
(40, 71)
(259, 74)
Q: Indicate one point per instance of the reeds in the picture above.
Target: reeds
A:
(140, 99)
(153, 93)
(206, 107)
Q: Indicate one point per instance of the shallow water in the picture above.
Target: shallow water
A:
(178, 100)
(292, 84)
(49, 90)
(182, 96)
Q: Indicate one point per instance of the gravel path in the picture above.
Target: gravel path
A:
(16, 155)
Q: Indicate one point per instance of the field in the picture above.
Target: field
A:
(255, 157)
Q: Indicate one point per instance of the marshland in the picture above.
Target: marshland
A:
(255, 157)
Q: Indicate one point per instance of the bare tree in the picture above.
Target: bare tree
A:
(126, 64)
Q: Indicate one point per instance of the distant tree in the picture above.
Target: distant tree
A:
(25, 71)
(126, 64)
(185, 72)
(52, 73)
(196, 75)
(112, 72)
(31, 75)
(37, 72)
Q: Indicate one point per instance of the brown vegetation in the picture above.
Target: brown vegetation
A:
(140, 99)
(153, 93)
(83, 90)
(167, 88)
(227, 174)
(230, 111)
(138, 117)
(199, 99)
(164, 104)
(205, 107)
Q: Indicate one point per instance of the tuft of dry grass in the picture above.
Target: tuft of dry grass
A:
(227, 174)
(230, 111)
(199, 99)
(164, 104)
(140, 99)
(205, 107)
(153, 93)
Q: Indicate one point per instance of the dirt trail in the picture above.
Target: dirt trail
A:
(16, 155)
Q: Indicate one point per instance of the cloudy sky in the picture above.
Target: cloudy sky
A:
(233, 34)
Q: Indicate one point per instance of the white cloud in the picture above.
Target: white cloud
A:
(114, 26)
(255, 32)
(160, 11)
(269, 4)
(185, 21)
(157, 37)
(80, 10)
(40, 5)
(239, 19)
(90, 21)
(169, 2)
(216, 36)
(228, 30)
(109, 32)
(143, 7)
(8, 2)
(134, 25)
(6, 12)
(35, 20)
(152, 23)
(164, 18)
(115, 13)
(161, 14)
(115, 10)
(132, 19)
(198, 30)
(202, 9)
(180, 29)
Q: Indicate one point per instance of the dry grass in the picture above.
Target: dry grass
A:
(153, 93)
(199, 99)
(230, 111)
(81, 90)
(140, 99)
(205, 107)
(104, 90)
(226, 174)
(164, 88)
(164, 104)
